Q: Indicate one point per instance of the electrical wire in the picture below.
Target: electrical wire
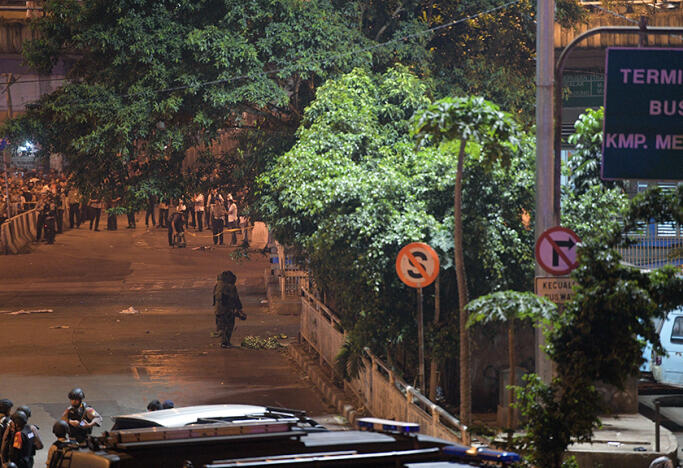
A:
(614, 13)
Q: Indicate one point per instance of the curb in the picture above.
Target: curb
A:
(331, 393)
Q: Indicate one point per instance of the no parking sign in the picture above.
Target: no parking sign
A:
(417, 265)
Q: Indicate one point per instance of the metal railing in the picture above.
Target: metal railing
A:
(381, 391)
(290, 275)
(653, 250)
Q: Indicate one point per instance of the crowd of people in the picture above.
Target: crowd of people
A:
(58, 202)
(19, 440)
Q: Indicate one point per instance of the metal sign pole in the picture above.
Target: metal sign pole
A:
(420, 340)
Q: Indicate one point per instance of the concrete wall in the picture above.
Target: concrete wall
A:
(490, 359)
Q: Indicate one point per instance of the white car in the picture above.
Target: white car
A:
(210, 414)
(668, 369)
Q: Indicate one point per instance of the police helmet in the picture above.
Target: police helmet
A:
(60, 428)
(25, 409)
(19, 418)
(11, 465)
(154, 405)
(76, 394)
(5, 405)
(168, 404)
(228, 276)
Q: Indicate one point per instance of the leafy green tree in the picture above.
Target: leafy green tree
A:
(150, 79)
(586, 197)
(463, 120)
(354, 189)
(595, 338)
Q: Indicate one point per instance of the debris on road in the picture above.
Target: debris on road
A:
(257, 342)
(129, 311)
(59, 327)
(26, 312)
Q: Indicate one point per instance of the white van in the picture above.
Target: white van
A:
(668, 369)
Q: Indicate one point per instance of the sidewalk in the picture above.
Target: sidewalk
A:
(625, 441)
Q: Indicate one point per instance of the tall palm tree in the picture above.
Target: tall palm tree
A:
(466, 120)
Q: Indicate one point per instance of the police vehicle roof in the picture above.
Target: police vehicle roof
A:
(176, 417)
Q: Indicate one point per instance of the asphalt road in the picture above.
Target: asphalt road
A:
(63, 325)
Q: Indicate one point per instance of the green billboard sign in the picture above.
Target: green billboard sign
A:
(643, 135)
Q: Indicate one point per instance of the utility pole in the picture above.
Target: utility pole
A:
(546, 216)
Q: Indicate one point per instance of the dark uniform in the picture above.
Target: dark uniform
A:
(176, 226)
(227, 305)
(56, 454)
(81, 413)
(80, 417)
(21, 442)
(5, 408)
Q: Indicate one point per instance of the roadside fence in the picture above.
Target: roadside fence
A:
(377, 387)
(290, 276)
(655, 248)
(18, 231)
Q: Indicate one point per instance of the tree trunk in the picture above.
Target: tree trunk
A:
(434, 367)
(459, 258)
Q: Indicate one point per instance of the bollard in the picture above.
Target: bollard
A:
(657, 426)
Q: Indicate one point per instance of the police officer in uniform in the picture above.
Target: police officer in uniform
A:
(55, 455)
(21, 445)
(37, 441)
(80, 417)
(227, 305)
(5, 408)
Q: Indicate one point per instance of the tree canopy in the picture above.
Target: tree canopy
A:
(150, 79)
(354, 189)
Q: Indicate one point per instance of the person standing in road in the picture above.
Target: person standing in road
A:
(227, 304)
(233, 220)
(199, 210)
(58, 200)
(176, 225)
(95, 208)
(37, 441)
(80, 417)
(73, 199)
(217, 220)
(5, 408)
(151, 201)
(55, 455)
(163, 213)
(21, 444)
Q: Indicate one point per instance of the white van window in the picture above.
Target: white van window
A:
(677, 331)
